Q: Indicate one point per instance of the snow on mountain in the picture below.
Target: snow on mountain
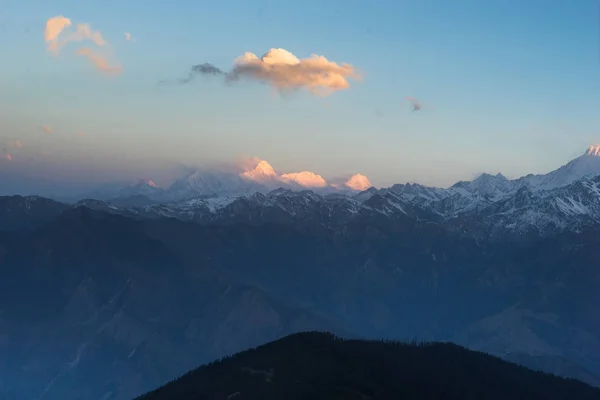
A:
(544, 212)
(567, 198)
(263, 173)
(210, 183)
(586, 165)
(489, 186)
(141, 188)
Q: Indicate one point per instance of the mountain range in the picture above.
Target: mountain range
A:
(106, 298)
(491, 206)
(258, 176)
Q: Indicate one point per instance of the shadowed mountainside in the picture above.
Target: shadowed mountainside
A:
(136, 302)
(321, 366)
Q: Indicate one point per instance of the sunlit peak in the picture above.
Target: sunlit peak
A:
(593, 150)
(262, 171)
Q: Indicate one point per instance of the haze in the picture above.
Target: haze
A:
(95, 92)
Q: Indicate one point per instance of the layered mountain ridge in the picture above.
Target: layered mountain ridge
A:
(561, 194)
(110, 298)
(489, 207)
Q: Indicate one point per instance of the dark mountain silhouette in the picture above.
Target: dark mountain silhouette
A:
(556, 365)
(321, 366)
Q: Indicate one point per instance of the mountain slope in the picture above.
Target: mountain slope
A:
(91, 306)
(585, 166)
(321, 366)
(24, 213)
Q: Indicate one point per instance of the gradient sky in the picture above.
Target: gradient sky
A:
(508, 85)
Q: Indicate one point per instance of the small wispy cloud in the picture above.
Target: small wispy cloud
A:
(6, 153)
(128, 37)
(15, 144)
(46, 128)
(201, 69)
(6, 156)
(54, 27)
(57, 35)
(99, 61)
(284, 72)
(80, 134)
(55, 39)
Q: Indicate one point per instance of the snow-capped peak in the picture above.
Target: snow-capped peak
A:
(262, 171)
(586, 165)
(593, 150)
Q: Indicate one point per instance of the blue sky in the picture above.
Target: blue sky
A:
(511, 86)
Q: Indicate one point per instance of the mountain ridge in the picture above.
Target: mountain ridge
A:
(321, 366)
(157, 288)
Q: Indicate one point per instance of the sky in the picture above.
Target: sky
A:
(506, 86)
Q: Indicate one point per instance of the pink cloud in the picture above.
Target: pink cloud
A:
(15, 144)
(99, 61)
(284, 71)
(358, 182)
(54, 27)
(305, 178)
(56, 36)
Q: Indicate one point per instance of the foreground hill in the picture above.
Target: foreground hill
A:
(321, 366)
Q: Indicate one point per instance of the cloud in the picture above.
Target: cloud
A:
(201, 69)
(285, 72)
(56, 35)
(80, 134)
(128, 37)
(99, 61)
(6, 156)
(84, 31)
(358, 182)
(15, 144)
(305, 178)
(54, 27)
(46, 129)
(258, 170)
